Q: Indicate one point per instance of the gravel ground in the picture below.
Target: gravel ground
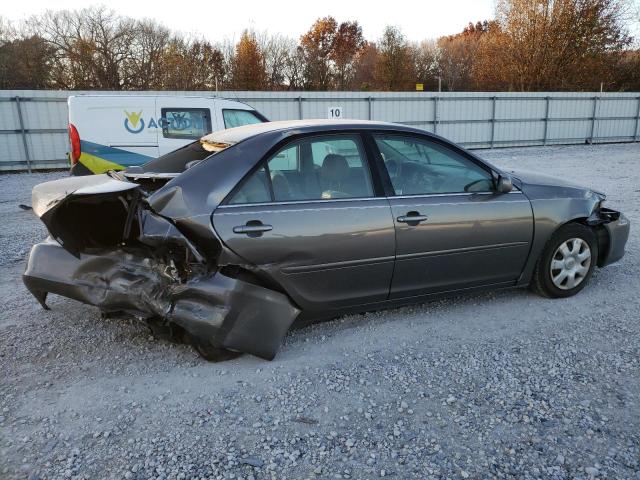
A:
(500, 385)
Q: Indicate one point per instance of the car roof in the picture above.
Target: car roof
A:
(237, 134)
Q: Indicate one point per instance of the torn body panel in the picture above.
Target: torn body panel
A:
(228, 312)
(113, 251)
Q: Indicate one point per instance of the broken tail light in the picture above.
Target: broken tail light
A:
(74, 139)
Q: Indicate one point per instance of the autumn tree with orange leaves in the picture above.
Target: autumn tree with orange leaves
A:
(531, 45)
(248, 71)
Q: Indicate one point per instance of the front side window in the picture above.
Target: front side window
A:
(237, 118)
(316, 168)
(185, 123)
(418, 166)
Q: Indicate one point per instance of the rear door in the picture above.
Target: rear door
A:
(114, 130)
(182, 120)
(453, 231)
(309, 217)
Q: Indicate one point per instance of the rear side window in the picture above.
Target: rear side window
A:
(317, 168)
(185, 123)
(254, 190)
(237, 118)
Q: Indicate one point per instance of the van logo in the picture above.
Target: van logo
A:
(132, 120)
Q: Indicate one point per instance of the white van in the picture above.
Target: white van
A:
(111, 132)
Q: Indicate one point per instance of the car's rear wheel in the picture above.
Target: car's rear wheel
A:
(567, 262)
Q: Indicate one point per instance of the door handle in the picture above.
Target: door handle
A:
(412, 218)
(252, 229)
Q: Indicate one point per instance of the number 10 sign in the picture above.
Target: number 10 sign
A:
(334, 113)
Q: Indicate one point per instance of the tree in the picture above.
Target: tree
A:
(90, 47)
(317, 47)
(552, 45)
(348, 41)
(458, 54)
(365, 67)
(295, 67)
(25, 63)
(394, 69)
(248, 64)
(426, 56)
(146, 62)
(276, 50)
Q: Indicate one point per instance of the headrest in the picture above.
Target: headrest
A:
(335, 168)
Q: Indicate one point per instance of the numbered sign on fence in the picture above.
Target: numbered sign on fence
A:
(334, 113)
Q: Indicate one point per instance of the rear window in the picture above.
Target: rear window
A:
(176, 161)
(238, 118)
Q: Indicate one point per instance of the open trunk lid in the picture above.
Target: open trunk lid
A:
(86, 212)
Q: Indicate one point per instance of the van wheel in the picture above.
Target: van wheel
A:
(567, 262)
(211, 353)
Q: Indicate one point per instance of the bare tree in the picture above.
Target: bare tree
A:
(90, 46)
(295, 67)
(276, 50)
(146, 60)
(426, 56)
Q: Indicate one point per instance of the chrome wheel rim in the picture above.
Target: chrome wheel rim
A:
(570, 263)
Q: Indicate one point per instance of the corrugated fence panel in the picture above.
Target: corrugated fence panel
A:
(475, 119)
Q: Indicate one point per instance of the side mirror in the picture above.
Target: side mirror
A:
(505, 184)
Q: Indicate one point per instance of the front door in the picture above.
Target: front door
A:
(453, 231)
(310, 219)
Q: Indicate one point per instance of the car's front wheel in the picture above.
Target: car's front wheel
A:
(567, 261)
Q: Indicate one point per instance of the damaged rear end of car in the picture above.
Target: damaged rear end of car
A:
(137, 244)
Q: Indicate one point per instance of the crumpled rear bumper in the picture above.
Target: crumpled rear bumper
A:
(228, 312)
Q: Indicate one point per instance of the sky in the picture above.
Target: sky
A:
(418, 19)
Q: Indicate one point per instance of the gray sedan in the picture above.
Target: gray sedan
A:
(225, 242)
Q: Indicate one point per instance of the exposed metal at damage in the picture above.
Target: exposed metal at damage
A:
(148, 269)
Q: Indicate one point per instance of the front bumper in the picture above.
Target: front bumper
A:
(228, 312)
(617, 236)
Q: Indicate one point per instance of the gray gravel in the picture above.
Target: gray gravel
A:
(502, 385)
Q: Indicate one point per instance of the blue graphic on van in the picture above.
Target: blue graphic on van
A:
(174, 122)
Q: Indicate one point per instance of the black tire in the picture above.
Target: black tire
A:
(211, 353)
(543, 276)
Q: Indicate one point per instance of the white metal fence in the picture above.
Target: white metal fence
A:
(33, 122)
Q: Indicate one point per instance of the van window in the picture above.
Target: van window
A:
(185, 122)
(237, 118)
